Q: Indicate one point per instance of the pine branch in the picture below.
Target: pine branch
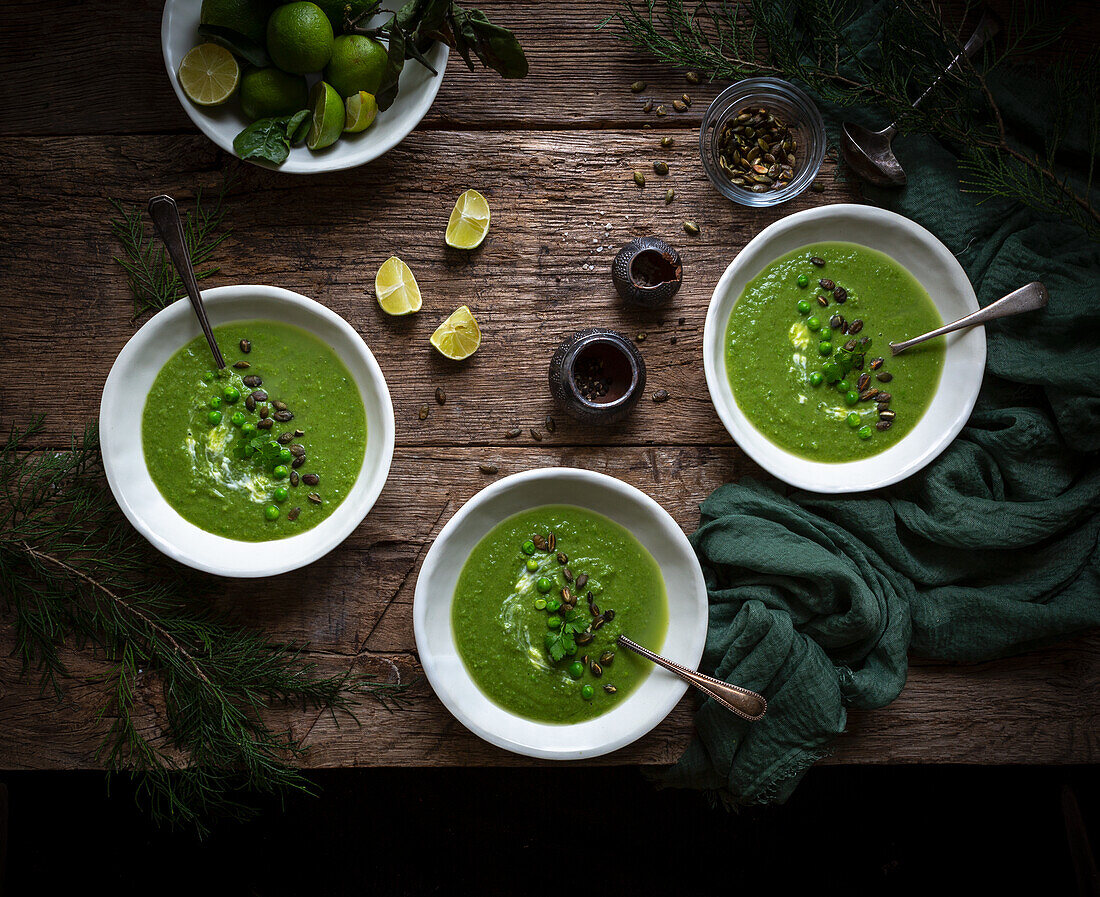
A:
(73, 571)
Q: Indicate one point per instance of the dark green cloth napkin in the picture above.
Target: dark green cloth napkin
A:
(991, 550)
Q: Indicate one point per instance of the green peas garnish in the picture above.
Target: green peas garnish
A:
(825, 347)
(248, 428)
(280, 472)
(543, 585)
(854, 420)
(231, 394)
(214, 418)
(271, 512)
(803, 281)
(851, 397)
(553, 605)
(813, 323)
(576, 669)
(286, 456)
(208, 377)
(832, 372)
(540, 604)
(532, 564)
(553, 621)
(528, 547)
(864, 433)
(238, 418)
(803, 307)
(816, 378)
(216, 402)
(587, 692)
(281, 493)
(843, 386)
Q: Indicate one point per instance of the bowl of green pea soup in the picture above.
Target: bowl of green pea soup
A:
(261, 466)
(522, 597)
(797, 356)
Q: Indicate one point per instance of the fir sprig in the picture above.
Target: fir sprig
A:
(151, 276)
(74, 573)
(816, 42)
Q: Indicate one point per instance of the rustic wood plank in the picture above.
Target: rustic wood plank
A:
(579, 77)
(563, 204)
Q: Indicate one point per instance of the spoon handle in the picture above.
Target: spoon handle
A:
(1027, 298)
(741, 701)
(166, 220)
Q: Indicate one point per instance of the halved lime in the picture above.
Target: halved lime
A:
(209, 74)
(459, 336)
(469, 221)
(361, 109)
(327, 110)
(396, 288)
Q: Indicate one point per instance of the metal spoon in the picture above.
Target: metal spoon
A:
(869, 152)
(741, 701)
(166, 221)
(1028, 298)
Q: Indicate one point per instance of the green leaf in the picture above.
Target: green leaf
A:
(395, 54)
(555, 646)
(298, 127)
(270, 138)
(495, 46)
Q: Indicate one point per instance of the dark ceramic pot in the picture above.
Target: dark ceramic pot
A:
(647, 272)
(597, 375)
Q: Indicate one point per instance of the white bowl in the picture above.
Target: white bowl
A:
(417, 90)
(941, 275)
(650, 524)
(123, 404)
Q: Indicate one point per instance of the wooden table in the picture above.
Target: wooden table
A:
(88, 113)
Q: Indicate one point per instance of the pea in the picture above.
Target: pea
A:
(843, 386)
(231, 394)
(237, 419)
(528, 547)
(543, 585)
(553, 621)
(248, 428)
(803, 307)
(854, 420)
(864, 433)
(271, 512)
(532, 564)
(281, 493)
(803, 281)
(813, 323)
(285, 456)
(851, 397)
(216, 402)
(214, 418)
(587, 692)
(208, 377)
(540, 604)
(280, 472)
(825, 347)
(576, 669)
(816, 378)
(553, 605)
(832, 372)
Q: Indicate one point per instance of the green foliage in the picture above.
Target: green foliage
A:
(849, 57)
(564, 641)
(75, 575)
(270, 138)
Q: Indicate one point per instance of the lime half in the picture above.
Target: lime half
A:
(469, 221)
(459, 336)
(361, 109)
(209, 74)
(396, 288)
(327, 110)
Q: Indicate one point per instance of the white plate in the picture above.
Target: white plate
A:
(123, 403)
(941, 275)
(418, 87)
(650, 524)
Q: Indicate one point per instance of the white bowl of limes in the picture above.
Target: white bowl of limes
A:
(313, 92)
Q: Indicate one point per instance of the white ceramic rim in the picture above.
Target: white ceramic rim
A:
(415, 97)
(128, 386)
(946, 283)
(644, 708)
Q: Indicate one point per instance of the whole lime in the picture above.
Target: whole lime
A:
(270, 92)
(231, 18)
(299, 38)
(357, 63)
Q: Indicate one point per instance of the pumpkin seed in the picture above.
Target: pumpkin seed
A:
(610, 689)
(246, 346)
(293, 513)
(691, 77)
(440, 395)
(241, 365)
(582, 581)
(607, 657)
(648, 107)
(691, 228)
(666, 141)
(637, 87)
(595, 669)
(669, 194)
(424, 412)
(487, 468)
(679, 105)
(639, 179)
(513, 433)
(314, 497)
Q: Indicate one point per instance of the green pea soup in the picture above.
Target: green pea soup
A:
(195, 434)
(777, 351)
(501, 627)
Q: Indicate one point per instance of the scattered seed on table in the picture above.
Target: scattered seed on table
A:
(661, 110)
(661, 395)
(666, 141)
(669, 194)
(424, 412)
(648, 107)
(679, 105)
(440, 395)
(817, 187)
(640, 338)
(691, 228)
(639, 179)
(691, 77)
(660, 167)
(536, 435)
(513, 433)
(672, 340)
(487, 468)
(686, 100)
(681, 321)
(637, 87)
(550, 424)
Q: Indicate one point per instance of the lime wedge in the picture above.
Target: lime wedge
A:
(469, 221)
(327, 110)
(459, 336)
(396, 288)
(361, 108)
(209, 74)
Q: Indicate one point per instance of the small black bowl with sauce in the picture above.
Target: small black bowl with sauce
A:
(597, 375)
